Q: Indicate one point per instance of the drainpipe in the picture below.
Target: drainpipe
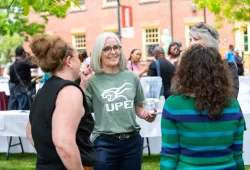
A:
(205, 15)
(171, 19)
(119, 19)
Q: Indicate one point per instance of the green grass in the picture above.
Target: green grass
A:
(27, 162)
(18, 162)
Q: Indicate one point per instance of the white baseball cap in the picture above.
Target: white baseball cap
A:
(236, 50)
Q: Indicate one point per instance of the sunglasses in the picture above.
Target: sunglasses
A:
(203, 25)
(108, 49)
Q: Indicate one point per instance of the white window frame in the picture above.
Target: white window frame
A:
(187, 29)
(248, 37)
(109, 4)
(148, 1)
(239, 37)
(79, 8)
(74, 40)
(144, 43)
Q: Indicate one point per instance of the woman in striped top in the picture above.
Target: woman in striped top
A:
(202, 125)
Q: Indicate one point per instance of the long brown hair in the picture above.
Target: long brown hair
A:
(205, 75)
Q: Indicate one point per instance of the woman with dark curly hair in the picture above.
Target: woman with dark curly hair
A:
(202, 125)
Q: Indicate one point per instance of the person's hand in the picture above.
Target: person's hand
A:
(148, 116)
(85, 76)
(145, 68)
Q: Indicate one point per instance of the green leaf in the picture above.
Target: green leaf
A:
(230, 10)
(14, 21)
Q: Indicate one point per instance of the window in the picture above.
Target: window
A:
(109, 3)
(80, 7)
(79, 42)
(151, 40)
(148, 1)
(81, 3)
(245, 40)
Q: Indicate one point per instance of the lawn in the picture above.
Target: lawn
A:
(27, 162)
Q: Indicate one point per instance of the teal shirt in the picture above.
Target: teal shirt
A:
(113, 98)
(195, 142)
(45, 77)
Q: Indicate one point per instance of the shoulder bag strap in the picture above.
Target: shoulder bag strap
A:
(158, 68)
(21, 82)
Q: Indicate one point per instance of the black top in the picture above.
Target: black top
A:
(23, 70)
(167, 71)
(234, 71)
(41, 126)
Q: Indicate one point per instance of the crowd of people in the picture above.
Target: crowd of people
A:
(84, 118)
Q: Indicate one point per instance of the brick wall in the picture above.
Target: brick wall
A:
(95, 18)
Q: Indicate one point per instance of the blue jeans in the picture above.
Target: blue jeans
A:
(12, 104)
(23, 101)
(115, 154)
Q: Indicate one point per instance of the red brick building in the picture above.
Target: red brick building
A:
(150, 18)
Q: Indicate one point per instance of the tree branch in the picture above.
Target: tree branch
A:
(11, 3)
(4, 7)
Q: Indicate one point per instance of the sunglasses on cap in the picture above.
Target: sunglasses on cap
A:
(203, 25)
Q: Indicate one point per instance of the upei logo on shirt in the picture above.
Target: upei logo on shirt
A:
(113, 94)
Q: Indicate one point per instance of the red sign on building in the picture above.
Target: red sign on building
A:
(127, 22)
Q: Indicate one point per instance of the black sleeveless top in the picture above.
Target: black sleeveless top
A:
(41, 126)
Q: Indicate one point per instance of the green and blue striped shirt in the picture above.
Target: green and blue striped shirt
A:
(194, 142)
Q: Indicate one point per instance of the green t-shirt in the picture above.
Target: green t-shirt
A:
(113, 98)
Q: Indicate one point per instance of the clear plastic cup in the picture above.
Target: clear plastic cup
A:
(151, 86)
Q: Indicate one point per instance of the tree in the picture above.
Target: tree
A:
(8, 45)
(13, 15)
(231, 10)
(14, 22)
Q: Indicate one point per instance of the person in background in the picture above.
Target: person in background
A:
(133, 63)
(166, 70)
(42, 77)
(229, 56)
(207, 36)
(60, 122)
(180, 46)
(239, 62)
(86, 58)
(12, 103)
(202, 125)
(116, 97)
(20, 75)
(6, 71)
(85, 64)
(173, 53)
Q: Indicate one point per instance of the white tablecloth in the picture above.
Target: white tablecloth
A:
(14, 125)
(4, 86)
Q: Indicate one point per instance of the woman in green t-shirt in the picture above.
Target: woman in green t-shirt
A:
(116, 97)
